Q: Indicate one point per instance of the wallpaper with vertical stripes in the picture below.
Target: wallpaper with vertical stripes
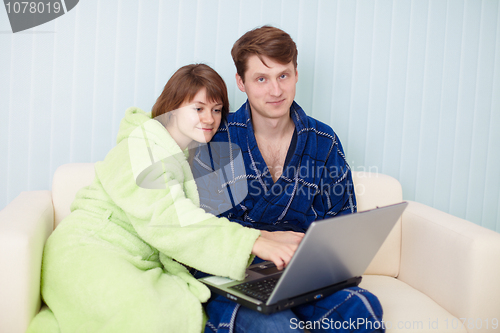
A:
(412, 87)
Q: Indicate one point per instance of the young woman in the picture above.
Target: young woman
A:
(118, 262)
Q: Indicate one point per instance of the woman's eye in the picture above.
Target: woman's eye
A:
(198, 109)
(217, 110)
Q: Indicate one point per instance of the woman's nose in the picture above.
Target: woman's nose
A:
(206, 117)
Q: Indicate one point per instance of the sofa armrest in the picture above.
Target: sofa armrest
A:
(453, 261)
(25, 225)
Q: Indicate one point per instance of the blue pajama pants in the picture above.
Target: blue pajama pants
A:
(348, 310)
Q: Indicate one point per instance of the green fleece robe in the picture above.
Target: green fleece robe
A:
(113, 265)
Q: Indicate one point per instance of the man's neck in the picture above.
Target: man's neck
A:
(273, 138)
(272, 128)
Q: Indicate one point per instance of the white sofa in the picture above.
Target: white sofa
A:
(434, 272)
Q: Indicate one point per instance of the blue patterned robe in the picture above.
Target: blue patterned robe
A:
(316, 183)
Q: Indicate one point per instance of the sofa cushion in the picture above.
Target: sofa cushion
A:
(407, 309)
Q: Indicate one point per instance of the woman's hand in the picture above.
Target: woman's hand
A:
(277, 252)
(290, 237)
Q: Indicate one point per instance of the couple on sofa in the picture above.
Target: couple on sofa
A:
(123, 260)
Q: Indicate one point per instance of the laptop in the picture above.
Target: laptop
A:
(333, 255)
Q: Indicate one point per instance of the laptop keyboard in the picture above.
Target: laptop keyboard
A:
(260, 289)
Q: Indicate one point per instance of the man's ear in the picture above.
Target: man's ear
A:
(296, 75)
(240, 83)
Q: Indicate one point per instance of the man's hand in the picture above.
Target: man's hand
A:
(290, 237)
(277, 252)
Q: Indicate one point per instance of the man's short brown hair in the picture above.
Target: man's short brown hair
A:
(266, 41)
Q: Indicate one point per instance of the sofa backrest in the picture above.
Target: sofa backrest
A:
(372, 190)
(68, 179)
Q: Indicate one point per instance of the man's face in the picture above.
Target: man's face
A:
(270, 90)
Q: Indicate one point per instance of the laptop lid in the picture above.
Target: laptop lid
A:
(336, 249)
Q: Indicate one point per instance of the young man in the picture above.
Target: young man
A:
(296, 173)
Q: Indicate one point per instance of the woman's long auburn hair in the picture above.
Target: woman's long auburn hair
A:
(185, 84)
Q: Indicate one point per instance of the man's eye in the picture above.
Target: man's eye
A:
(283, 76)
(260, 79)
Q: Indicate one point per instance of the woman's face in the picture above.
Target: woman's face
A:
(196, 120)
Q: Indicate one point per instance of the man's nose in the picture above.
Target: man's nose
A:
(276, 88)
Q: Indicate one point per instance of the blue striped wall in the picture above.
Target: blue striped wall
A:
(412, 87)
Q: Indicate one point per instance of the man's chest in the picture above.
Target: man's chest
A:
(274, 154)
